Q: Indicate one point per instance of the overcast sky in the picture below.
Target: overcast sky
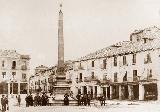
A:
(30, 26)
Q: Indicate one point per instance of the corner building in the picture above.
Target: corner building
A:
(14, 72)
(128, 70)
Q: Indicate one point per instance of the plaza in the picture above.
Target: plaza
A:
(111, 106)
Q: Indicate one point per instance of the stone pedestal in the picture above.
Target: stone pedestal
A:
(61, 87)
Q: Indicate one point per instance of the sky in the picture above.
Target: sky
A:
(31, 26)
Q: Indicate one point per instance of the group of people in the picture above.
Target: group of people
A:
(38, 100)
(84, 99)
(4, 103)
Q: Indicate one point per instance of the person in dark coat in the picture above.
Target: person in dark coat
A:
(79, 99)
(102, 100)
(82, 99)
(3, 103)
(30, 100)
(19, 100)
(39, 101)
(27, 101)
(88, 98)
(66, 99)
(7, 106)
(85, 99)
(44, 99)
(35, 100)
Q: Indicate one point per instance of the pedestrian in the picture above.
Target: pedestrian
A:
(66, 99)
(50, 99)
(3, 103)
(88, 98)
(44, 100)
(79, 99)
(30, 100)
(27, 101)
(36, 99)
(19, 100)
(39, 101)
(7, 105)
(102, 100)
(85, 99)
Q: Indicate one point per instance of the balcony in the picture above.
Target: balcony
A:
(105, 81)
(13, 67)
(24, 80)
(91, 79)
(146, 61)
(86, 79)
(24, 67)
(135, 78)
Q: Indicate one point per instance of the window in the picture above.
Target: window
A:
(115, 61)
(124, 60)
(125, 77)
(80, 64)
(23, 76)
(13, 74)
(3, 63)
(104, 64)
(80, 77)
(145, 40)
(14, 65)
(149, 73)
(3, 74)
(134, 58)
(115, 77)
(134, 75)
(92, 63)
(148, 59)
(92, 75)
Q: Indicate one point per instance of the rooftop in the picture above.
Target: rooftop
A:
(128, 47)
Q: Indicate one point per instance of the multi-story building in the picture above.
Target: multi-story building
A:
(14, 70)
(125, 70)
(45, 77)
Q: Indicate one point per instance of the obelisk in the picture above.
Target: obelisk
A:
(61, 87)
(60, 40)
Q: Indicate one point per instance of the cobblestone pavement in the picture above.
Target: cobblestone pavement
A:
(112, 106)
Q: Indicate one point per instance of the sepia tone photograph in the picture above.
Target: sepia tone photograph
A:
(80, 55)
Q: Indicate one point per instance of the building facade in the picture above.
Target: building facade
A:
(43, 79)
(14, 70)
(127, 70)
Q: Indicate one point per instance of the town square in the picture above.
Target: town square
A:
(79, 55)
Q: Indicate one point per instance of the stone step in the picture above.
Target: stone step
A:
(61, 82)
(71, 103)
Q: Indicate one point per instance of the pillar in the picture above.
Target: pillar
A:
(106, 93)
(111, 93)
(141, 92)
(87, 89)
(8, 88)
(130, 91)
(18, 87)
(93, 91)
(120, 92)
(98, 90)
(81, 89)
